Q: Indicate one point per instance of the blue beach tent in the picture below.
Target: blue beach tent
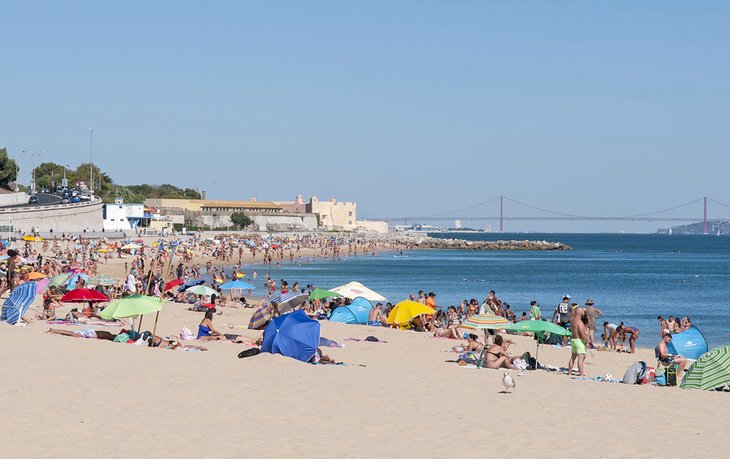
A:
(237, 284)
(356, 312)
(690, 343)
(293, 335)
(18, 302)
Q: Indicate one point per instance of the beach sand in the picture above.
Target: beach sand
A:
(65, 397)
(69, 397)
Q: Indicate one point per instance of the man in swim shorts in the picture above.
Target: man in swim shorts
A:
(579, 338)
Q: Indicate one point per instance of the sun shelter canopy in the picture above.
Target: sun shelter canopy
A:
(485, 321)
(293, 335)
(690, 343)
(710, 371)
(538, 326)
(405, 311)
(131, 306)
(357, 312)
(353, 290)
(18, 302)
(321, 294)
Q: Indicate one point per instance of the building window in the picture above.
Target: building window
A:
(350, 215)
(350, 222)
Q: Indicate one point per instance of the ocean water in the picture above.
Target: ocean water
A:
(631, 277)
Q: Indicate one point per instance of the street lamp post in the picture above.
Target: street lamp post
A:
(64, 183)
(91, 165)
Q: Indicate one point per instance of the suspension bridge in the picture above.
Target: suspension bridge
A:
(503, 209)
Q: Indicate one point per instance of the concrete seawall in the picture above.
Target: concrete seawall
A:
(58, 218)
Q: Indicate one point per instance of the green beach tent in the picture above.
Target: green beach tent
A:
(321, 294)
(710, 371)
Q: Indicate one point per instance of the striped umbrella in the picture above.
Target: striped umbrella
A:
(288, 301)
(261, 317)
(18, 302)
(102, 279)
(59, 280)
(485, 321)
(710, 371)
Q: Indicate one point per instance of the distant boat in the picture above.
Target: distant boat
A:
(670, 231)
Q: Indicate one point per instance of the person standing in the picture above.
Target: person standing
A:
(593, 313)
(562, 315)
(535, 313)
(579, 338)
(10, 271)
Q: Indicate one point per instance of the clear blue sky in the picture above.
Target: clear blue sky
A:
(604, 107)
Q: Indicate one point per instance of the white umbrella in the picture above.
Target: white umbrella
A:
(353, 290)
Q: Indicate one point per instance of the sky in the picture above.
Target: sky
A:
(407, 107)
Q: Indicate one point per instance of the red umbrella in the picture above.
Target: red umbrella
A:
(83, 295)
(173, 284)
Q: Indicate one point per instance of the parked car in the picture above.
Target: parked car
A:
(33, 200)
(75, 199)
(64, 201)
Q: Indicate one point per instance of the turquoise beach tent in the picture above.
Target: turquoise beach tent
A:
(356, 312)
(690, 343)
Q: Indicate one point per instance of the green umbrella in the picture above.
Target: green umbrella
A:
(131, 306)
(537, 326)
(321, 294)
(202, 290)
(710, 371)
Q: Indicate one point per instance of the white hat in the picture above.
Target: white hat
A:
(566, 296)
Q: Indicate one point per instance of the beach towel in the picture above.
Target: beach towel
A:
(325, 342)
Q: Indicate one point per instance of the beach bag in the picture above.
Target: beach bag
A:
(121, 338)
(186, 334)
(635, 373)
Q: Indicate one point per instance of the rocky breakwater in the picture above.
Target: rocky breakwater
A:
(461, 244)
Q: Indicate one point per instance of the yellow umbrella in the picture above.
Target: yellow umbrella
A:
(406, 310)
(36, 275)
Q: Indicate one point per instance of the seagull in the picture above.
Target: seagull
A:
(508, 382)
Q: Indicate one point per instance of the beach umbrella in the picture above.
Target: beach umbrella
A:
(486, 322)
(288, 301)
(353, 290)
(35, 275)
(102, 279)
(293, 335)
(535, 326)
(190, 283)
(84, 295)
(321, 294)
(261, 317)
(18, 302)
(405, 311)
(41, 285)
(201, 290)
(172, 284)
(133, 306)
(131, 247)
(59, 280)
(710, 371)
(237, 284)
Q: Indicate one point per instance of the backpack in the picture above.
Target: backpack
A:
(636, 373)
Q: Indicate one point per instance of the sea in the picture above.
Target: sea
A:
(632, 278)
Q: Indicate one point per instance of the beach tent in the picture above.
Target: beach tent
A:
(710, 371)
(18, 302)
(356, 312)
(293, 335)
(405, 311)
(690, 343)
(353, 290)
(190, 283)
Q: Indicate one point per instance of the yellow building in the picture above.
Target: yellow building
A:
(333, 215)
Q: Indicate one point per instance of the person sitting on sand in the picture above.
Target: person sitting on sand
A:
(50, 303)
(497, 356)
(172, 343)
(473, 344)
(375, 317)
(206, 331)
(662, 353)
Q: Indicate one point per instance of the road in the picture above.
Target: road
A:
(44, 199)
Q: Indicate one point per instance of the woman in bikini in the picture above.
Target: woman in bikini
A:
(206, 331)
(497, 356)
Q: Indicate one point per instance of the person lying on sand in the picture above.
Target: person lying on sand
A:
(172, 343)
(85, 333)
(497, 356)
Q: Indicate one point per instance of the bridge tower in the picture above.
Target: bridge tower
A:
(705, 218)
(501, 214)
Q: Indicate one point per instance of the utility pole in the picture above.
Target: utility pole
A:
(91, 164)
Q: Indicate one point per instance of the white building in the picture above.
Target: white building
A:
(122, 217)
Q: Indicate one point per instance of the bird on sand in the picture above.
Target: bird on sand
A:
(508, 382)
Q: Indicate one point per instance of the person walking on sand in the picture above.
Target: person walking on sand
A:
(579, 338)
(593, 313)
(10, 272)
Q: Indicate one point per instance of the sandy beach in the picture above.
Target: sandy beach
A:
(69, 397)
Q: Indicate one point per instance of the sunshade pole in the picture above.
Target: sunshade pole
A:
(154, 328)
(149, 278)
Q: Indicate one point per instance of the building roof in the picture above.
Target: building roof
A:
(240, 204)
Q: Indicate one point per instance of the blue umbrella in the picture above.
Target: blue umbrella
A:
(293, 335)
(18, 302)
(237, 284)
(190, 283)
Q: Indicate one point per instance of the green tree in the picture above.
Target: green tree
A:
(8, 169)
(241, 220)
